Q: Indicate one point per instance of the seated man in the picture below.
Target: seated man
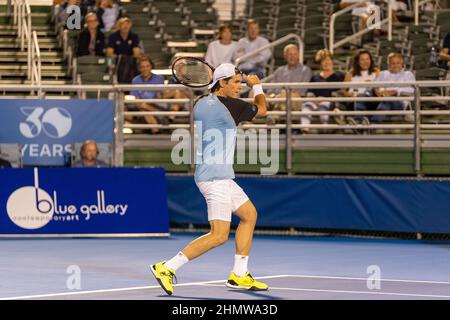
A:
(123, 41)
(395, 73)
(293, 71)
(89, 153)
(147, 77)
(124, 45)
(253, 41)
(4, 163)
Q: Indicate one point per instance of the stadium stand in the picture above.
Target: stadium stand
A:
(13, 61)
(185, 27)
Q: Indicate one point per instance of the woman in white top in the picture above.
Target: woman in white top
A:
(107, 14)
(363, 70)
(221, 50)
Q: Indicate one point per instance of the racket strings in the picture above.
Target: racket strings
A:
(192, 72)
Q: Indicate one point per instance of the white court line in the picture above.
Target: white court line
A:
(347, 291)
(365, 279)
(123, 289)
(216, 281)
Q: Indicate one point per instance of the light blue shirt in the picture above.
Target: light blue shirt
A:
(216, 130)
(245, 45)
(402, 76)
(147, 94)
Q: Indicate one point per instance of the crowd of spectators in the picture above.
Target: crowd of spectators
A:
(123, 47)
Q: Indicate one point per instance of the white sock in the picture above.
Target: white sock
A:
(240, 265)
(177, 261)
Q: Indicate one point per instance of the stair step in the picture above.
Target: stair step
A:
(24, 54)
(24, 67)
(10, 27)
(36, 19)
(17, 40)
(44, 73)
(34, 8)
(17, 46)
(14, 33)
(24, 60)
(24, 81)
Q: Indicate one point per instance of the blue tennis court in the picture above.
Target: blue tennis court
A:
(294, 268)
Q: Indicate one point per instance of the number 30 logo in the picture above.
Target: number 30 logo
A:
(55, 122)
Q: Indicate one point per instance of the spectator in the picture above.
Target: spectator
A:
(253, 41)
(89, 153)
(123, 41)
(147, 77)
(107, 13)
(395, 73)
(444, 55)
(62, 15)
(293, 71)
(4, 163)
(364, 10)
(124, 45)
(327, 74)
(91, 41)
(221, 50)
(397, 6)
(363, 70)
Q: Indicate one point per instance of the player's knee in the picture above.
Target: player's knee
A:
(220, 239)
(250, 216)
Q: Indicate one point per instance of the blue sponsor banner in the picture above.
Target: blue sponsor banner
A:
(364, 204)
(47, 128)
(83, 201)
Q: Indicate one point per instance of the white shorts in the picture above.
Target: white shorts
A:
(223, 197)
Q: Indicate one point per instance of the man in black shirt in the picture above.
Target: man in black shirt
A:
(4, 163)
(123, 41)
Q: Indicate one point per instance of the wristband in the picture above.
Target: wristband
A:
(257, 89)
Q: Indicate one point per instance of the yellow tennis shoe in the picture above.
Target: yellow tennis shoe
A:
(246, 282)
(164, 276)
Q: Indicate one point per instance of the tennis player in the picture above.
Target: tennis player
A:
(221, 111)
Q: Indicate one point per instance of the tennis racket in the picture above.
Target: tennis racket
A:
(192, 72)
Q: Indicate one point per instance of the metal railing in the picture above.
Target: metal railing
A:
(417, 5)
(36, 63)
(28, 40)
(415, 126)
(333, 45)
(272, 45)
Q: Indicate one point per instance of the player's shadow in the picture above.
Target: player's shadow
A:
(187, 297)
(258, 294)
(254, 294)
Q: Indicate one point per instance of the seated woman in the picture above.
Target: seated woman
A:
(91, 41)
(327, 74)
(221, 50)
(363, 70)
(108, 14)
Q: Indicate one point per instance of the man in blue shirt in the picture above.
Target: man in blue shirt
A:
(217, 116)
(147, 77)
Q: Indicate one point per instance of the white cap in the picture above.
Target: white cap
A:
(225, 70)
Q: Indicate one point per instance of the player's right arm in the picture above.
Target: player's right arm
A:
(259, 98)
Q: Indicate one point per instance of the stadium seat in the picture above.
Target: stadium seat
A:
(85, 64)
